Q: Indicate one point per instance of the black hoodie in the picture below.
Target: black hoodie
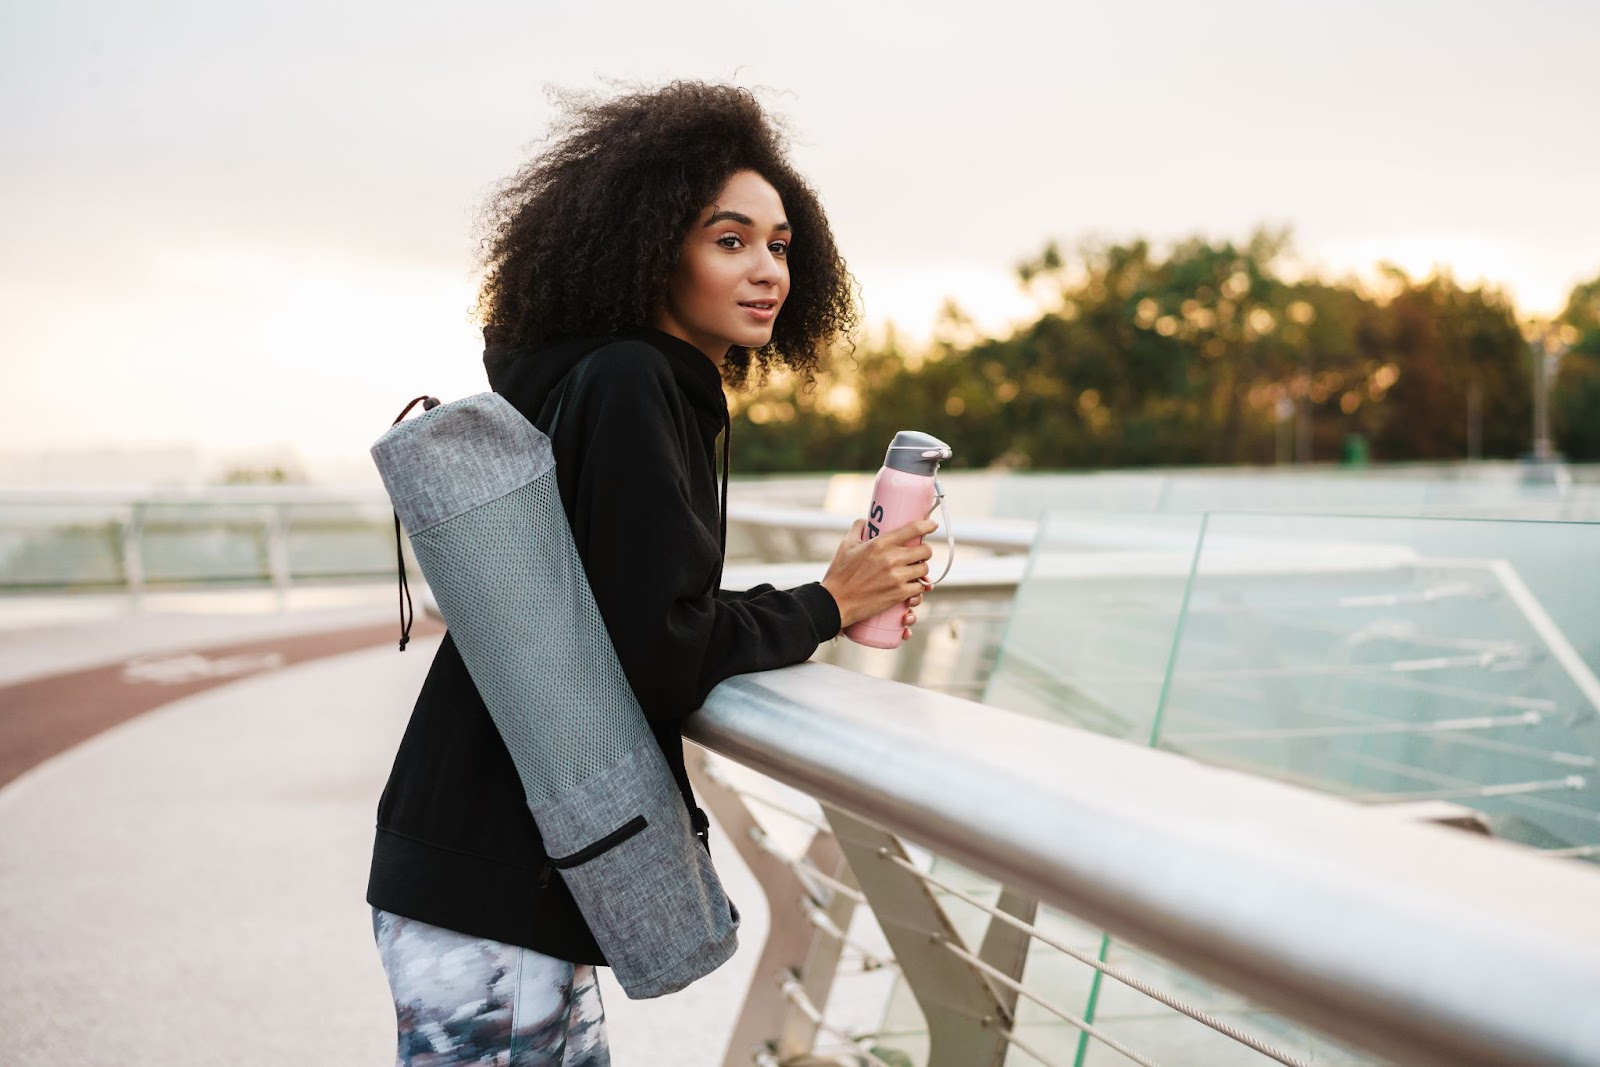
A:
(636, 467)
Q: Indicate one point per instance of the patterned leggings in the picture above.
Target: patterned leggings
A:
(463, 1001)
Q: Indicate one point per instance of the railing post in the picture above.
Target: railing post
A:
(908, 665)
(1005, 948)
(278, 553)
(774, 545)
(768, 1023)
(133, 554)
(966, 1023)
(821, 966)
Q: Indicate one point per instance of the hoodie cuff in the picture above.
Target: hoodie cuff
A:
(822, 609)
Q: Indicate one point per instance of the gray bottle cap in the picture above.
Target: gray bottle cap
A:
(916, 453)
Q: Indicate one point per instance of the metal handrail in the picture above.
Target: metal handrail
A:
(1419, 943)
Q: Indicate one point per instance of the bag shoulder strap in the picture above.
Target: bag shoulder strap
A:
(565, 387)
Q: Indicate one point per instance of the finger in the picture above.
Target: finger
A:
(926, 585)
(911, 618)
(913, 553)
(915, 600)
(915, 528)
(913, 580)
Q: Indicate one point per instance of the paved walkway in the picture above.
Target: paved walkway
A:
(185, 885)
(47, 715)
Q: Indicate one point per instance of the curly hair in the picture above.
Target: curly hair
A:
(583, 237)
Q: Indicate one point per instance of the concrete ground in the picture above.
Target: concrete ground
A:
(186, 887)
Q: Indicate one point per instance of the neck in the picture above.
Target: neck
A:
(713, 350)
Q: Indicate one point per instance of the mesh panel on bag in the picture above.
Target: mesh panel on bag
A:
(513, 591)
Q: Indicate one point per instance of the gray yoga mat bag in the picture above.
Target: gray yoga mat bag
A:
(474, 483)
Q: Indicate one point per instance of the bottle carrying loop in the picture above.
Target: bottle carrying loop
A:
(937, 455)
(950, 535)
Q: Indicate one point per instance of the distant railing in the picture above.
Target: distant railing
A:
(276, 536)
(958, 632)
(789, 533)
(85, 540)
(1418, 943)
(93, 541)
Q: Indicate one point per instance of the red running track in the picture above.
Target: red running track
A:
(43, 717)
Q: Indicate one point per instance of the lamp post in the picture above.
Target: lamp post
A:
(1547, 343)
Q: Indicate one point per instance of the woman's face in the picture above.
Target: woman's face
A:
(733, 263)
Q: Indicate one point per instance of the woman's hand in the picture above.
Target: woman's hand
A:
(867, 577)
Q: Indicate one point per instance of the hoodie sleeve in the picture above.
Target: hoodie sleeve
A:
(623, 460)
(744, 594)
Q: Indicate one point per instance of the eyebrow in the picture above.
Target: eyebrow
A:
(743, 220)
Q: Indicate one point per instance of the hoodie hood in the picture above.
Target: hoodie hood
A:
(526, 376)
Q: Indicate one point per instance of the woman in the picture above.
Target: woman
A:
(663, 241)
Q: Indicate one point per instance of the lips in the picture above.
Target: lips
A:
(765, 305)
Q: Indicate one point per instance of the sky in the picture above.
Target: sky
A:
(251, 226)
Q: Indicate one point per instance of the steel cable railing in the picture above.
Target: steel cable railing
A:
(809, 873)
(994, 974)
(1104, 968)
(1162, 851)
(795, 993)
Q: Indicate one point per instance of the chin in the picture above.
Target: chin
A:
(756, 339)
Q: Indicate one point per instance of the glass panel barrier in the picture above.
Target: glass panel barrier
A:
(1389, 659)
(61, 546)
(1395, 659)
(340, 540)
(1381, 657)
(1092, 622)
(204, 542)
(91, 546)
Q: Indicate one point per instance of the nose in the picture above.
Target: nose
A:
(768, 269)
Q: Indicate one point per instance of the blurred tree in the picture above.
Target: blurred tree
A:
(1174, 360)
(271, 475)
(1446, 343)
(1450, 344)
(1340, 381)
(1205, 354)
(1575, 400)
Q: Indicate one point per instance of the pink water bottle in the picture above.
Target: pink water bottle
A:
(906, 489)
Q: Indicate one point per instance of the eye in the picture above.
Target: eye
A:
(780, 247)
(730, 237)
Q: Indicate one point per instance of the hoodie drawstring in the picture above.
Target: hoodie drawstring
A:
(428, 404)
(727, 435)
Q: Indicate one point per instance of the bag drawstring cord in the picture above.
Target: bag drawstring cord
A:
(407, 612)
